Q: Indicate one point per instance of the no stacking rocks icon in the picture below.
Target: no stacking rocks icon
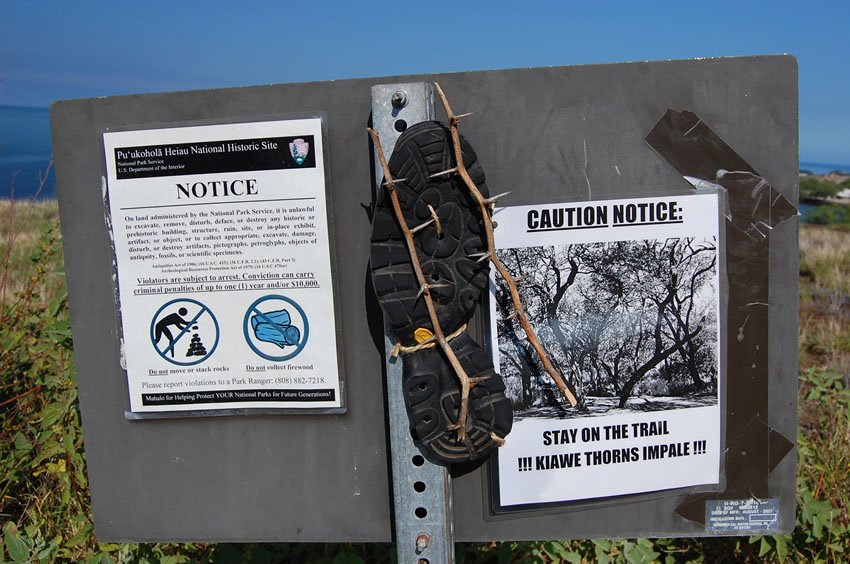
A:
(184, 325)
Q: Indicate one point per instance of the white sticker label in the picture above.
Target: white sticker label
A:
(741, 516)
(222, 245)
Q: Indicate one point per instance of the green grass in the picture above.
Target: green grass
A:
(22, 224)
(44, 499)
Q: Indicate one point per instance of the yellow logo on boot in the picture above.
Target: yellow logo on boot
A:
(422, 334)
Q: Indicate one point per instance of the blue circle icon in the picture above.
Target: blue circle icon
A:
(181, 331)
(276, 328)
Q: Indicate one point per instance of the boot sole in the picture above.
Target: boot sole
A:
(423, 150)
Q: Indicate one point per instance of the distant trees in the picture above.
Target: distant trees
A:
(814, 187)
(618, 318)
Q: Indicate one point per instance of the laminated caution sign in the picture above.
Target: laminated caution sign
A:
(625, 295)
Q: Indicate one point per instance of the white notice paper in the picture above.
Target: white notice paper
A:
(223, 256)
(624, 295)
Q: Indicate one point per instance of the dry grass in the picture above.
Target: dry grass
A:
(22, 223)
(825, 299)
(825, 257)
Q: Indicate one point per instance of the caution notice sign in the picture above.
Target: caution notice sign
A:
(625, 297)
(224, 267)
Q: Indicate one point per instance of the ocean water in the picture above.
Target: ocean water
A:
(25, 151)
(823, 168)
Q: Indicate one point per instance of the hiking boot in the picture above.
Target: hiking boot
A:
(449, 244)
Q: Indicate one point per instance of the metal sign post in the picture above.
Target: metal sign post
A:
(421, 490)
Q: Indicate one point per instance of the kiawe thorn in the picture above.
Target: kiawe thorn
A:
(422, 226)
(446, 172)
(394, 180)
(496, 198)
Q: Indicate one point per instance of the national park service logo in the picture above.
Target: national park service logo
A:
(299, 149)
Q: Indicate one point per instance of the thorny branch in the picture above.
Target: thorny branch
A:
(486, 206)
(466, 382)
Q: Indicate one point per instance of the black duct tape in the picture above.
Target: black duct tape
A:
(753, 449)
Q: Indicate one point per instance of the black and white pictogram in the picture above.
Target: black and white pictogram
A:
(184, 332)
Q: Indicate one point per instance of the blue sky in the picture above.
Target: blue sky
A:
(51, 51)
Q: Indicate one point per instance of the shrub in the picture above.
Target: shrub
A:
(836, 215)
(814, 187)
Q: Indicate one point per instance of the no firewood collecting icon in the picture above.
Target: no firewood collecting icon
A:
(184, 332)
(276, 328)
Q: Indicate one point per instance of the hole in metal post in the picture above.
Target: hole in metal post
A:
(424, 561)
(419, 486)
(421, 512)
(400, 125)
(418, 460)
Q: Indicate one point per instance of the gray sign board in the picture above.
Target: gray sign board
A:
(549, 135)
